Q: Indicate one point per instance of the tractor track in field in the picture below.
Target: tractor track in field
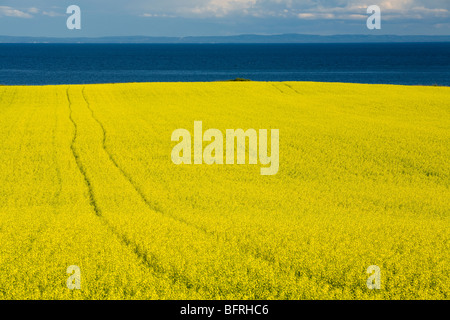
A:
(257, 256)
(291, 87)
(135, 186)
(149, 260)
(273, 85)
(111, 158)
(92, 200)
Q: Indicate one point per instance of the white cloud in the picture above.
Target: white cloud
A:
(391, 10)
(11, 12)
(33, 10)
(220, 8)
(397, 5)
(313, 16)
(27, 13)
(52, 14)
(302, 9)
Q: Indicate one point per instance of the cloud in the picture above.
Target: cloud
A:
(301, 9)
(33, 10)
(316, 16)
(27, 13)
(354, 10)
(220, 8)
(11, 12)
(52, 14)
(204, 17)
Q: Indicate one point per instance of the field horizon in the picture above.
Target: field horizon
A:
(238, 80)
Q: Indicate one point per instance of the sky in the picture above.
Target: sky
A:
(179, 18)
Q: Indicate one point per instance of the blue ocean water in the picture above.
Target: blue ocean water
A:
(390, 63)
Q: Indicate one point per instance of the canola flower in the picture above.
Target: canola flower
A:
(87, 180)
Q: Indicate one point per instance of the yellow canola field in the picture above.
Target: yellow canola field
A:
(87, 180)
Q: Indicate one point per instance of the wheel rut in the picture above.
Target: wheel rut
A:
(140, 252)
(148, 259)
(135, 186)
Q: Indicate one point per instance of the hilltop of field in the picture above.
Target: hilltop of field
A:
(87, 180)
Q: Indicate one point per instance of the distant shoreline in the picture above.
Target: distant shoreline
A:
(237, 39)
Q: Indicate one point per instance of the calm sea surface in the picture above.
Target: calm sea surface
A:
(401, 63)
